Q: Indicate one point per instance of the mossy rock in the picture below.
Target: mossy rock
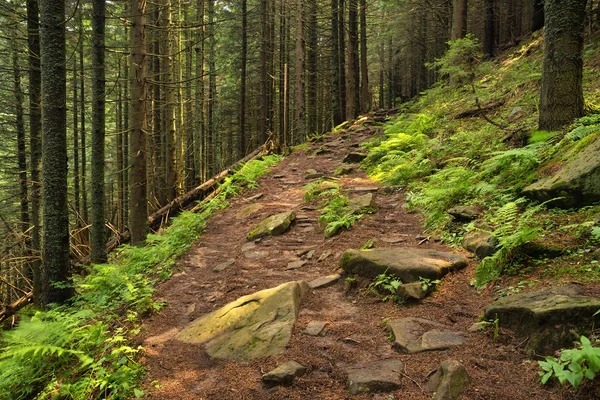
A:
(254, 326)
(483, 244)
(407, 263)
(274, 225)
(551, 318)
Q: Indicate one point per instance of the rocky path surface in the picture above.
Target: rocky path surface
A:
(343, 335)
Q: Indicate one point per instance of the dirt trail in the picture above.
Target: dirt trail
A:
(353, 333)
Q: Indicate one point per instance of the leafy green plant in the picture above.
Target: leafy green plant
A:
(461, 60)
(427, 283)
(573, 365)
(369, 244)
(335, 216)
(386, 286)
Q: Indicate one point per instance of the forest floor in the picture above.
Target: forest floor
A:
(499, 367)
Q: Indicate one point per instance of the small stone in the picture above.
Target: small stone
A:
(515, 114)
(284, 374)
(345, 169)
(324, 281)
(324, 255)
(314, 328)
(394, 239)
(354, 157)
(295, 264)
(224, 266)
(359, 189)
(249, 210)
(376, 376)
(309, 255)
(256, 254)
(478, 327)
(449, 382)
(465, 213)
(312, 174)
(413, 291)
(248, 246)
(274, 225)
(255, 197)
(302, 252)
(482, 243)
(415, 335)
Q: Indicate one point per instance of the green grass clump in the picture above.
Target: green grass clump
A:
(81, 350)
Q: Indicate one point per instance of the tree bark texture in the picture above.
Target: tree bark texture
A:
(353, 100)
(459, 19)
(300, 128)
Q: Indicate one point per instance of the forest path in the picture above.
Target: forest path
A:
(353, 333)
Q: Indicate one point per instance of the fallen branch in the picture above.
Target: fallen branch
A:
(15, 306)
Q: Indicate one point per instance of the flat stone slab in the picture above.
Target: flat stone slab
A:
(249, 210)
(274, 225)
(256, 254)
(551, 318)
(223, 266)
(354, 157)
(414, 335)
(284, 374)
(296, 264)
(253, 326)
(314, 328)
(376, 376)
(324, 281)
(465, 213)
(407, 263)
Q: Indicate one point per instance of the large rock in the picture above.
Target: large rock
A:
(284, 374)
(483, 244)
(465, 213)
(376, 376)
(407, 263)
(576, 184)
(450, 380)
(550, 318)
(274, 225)
(354, 157)
(414, 335)
(253, 326)
(361, 204)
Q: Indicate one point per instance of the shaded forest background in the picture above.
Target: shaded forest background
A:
(221, 79)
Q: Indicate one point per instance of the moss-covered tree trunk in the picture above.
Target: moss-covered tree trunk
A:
(56, 268)
(35, 136)
(138, 214)
(561, 99)
(98, 131)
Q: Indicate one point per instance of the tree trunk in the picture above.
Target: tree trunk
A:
(311, 68)
(138, 214)
(342, 53)
(459, 19)
(119, 151)
(56, 268)
(353, 100)
(83, 185)
(489, 34)
(561, 99)
(76, 189)
(191, 175)
(35, 137)
(335, 65)
(365, 99)
(300, 129)
(21, 148)
(98, 131)
(243, 76)
(170, 167)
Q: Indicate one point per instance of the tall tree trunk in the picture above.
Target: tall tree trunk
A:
(489, 30)
(311, 69)
(561, 99)
(212, 141)
(381, 74)
(365, 99)
(342, 53)
(264, 75)
(199, 97)
(138, 214)
(21, 147)
(243, 76)
(335, 65)
(126, 133)
(35, 137)
(98, 130)
(76, 189)
(191, 175)
(119, 151)
(56, 268)
(300, 128)
(83, 185)
(170, 167)
(459, 19)
(353, 100)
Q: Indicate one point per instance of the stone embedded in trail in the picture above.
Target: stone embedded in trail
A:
(295, 264)
(274, 225)
(249, 210)
(284, 374)
(449, 382)
(253, 326)
(312, 174)
(465, 213)
(324, 255)
(407, 263)
(576, 184)
(361, 204)
(224, 266)
(551, 318)
(354, 157)
(345, 169)
(314, 328)
(413, 291)
(414, 335)
(256, 254)
(324, 281)
(483, 244)
(376, 376)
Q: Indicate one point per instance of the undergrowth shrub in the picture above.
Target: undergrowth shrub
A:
(81, 350)
(573, 365)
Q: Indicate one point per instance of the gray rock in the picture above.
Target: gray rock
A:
(324, 281)
(394, 239)
(309, 255)
(551, 318)
(376, 376)
(361, 204)
(465, 213)
(414, 335)
(256, 254)
(274, 225)
(354, 157)
(284, 374)
(254, 326)
(312, 174)
(224, 266)
(482, 243)
(407, 263)
(413, 291)
(478, 327)
(345, 169)
(449, 382)
(324, 255)
(577, 183)
(249, 210)
(248, 246)
(314, 328)
(295, 264)
(515, 114)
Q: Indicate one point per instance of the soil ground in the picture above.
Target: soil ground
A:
(499, 367)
